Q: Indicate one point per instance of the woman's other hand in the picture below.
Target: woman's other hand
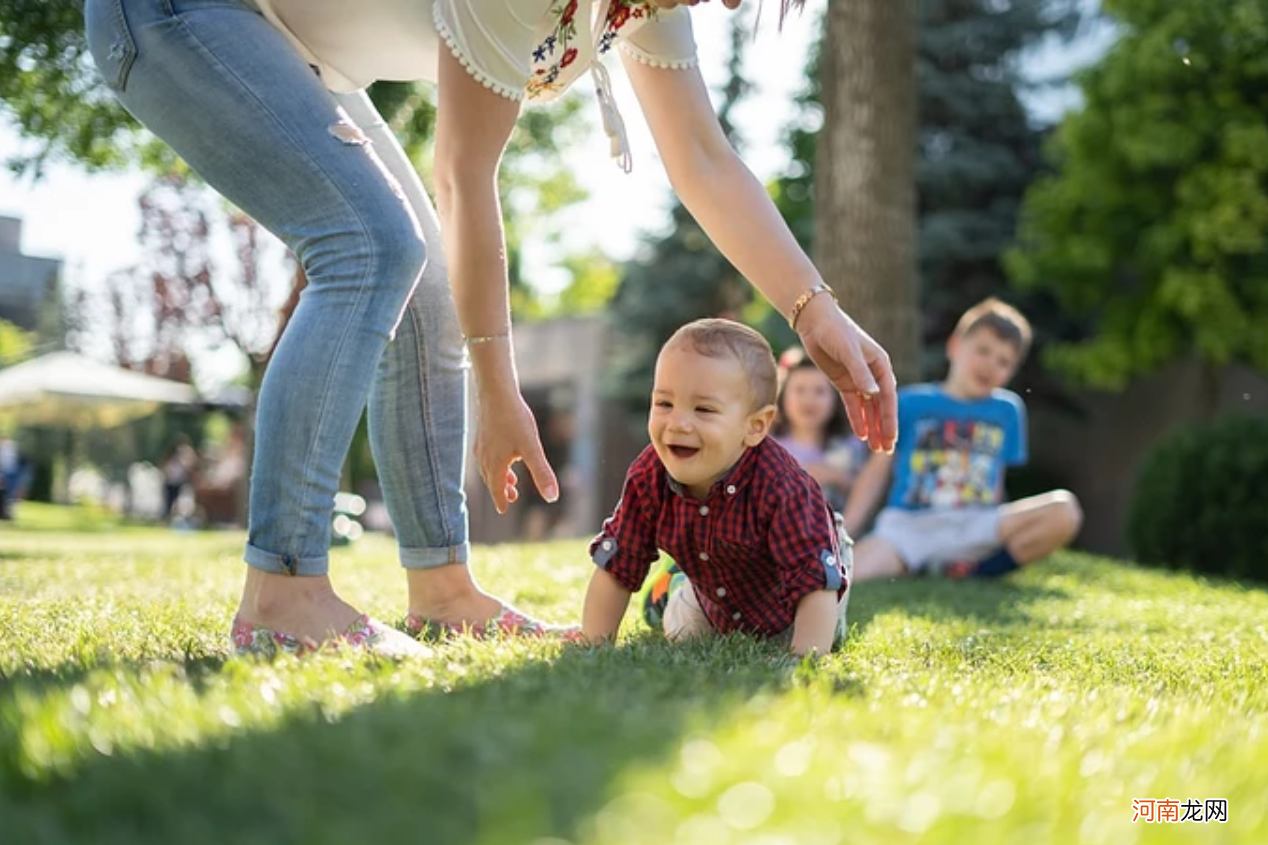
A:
(858, 367)
(506, 433)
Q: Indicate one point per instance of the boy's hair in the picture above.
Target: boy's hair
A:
(1004, 320)
(717, 338)
(794, 359)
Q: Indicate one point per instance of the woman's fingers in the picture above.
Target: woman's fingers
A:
(543, 475)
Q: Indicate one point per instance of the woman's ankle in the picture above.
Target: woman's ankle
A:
(449, 594)
(298, 605)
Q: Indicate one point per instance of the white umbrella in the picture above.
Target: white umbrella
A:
(65, 390)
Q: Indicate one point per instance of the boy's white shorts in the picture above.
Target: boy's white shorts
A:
(941, 535)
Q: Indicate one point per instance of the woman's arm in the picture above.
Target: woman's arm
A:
(473, 124)
(740, 218)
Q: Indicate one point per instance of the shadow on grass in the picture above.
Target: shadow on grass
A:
(533, 752)
(197, 668)
(999, 602)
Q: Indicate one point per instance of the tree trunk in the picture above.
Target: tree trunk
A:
(865, 210)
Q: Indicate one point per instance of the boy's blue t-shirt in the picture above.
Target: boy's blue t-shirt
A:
(952, 453)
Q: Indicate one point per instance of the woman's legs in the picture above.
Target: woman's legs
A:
(418, 417)
(226, 91)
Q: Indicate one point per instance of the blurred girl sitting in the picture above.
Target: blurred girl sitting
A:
(812, 425)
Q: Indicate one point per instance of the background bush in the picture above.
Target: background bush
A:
(1200, 501)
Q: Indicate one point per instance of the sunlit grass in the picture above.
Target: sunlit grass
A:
(1031, 710)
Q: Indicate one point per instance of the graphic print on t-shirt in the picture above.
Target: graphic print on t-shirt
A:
(954, 464)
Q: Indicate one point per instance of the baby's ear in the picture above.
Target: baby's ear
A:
(759, 423)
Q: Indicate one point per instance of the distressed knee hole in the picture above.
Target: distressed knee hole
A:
(348, 134)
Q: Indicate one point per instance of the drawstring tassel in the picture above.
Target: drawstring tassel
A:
(613, 124)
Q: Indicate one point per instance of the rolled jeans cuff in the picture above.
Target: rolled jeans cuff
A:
(436, 557)
(286, 564)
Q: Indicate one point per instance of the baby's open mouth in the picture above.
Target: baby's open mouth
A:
(683, 452)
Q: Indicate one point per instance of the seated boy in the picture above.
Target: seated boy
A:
(946, 511)
(761, 550)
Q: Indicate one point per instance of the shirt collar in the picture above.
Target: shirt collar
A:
(732, 481)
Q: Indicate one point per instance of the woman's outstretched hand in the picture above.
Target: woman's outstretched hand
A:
(859, 368)
(506, 433)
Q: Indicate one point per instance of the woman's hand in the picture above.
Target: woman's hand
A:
(859, 368)
(506, 433)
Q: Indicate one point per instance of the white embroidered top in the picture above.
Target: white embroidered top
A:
(532, 49)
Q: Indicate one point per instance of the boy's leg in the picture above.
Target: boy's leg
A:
(683, 617)
(1033, 528)
(876, 558)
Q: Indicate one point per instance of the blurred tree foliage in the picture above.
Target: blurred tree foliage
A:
(1155, 223)
(50, 87)
(15, 343)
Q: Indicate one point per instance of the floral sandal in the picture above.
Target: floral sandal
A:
(364, 633)
(509, 623)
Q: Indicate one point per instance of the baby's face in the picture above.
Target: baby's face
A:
(702, 418)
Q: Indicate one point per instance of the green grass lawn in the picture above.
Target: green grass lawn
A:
(1030, 710)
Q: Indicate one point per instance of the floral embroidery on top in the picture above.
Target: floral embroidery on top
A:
(561, 41)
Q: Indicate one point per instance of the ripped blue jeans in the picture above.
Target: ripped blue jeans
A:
(375, 325)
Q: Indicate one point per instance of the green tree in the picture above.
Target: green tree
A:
(1155, 222)
(978, 152)
(49, 86)
(15, 344)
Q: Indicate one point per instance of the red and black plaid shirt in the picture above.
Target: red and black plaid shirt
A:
(762, 540)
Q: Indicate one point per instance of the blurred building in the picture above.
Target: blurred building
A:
(29, 286)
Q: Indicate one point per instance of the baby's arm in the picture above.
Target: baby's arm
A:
(815, 625)
(606, 601)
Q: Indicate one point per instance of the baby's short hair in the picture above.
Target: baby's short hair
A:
(717, 338)
(1008, 324)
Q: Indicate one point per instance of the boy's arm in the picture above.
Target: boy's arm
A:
(606, 601)
(868, 490)
(815, 625)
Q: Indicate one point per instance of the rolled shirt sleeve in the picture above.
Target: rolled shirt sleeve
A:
(626, 547)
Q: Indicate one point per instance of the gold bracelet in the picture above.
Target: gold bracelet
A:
(485, 338)
(804, 300)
